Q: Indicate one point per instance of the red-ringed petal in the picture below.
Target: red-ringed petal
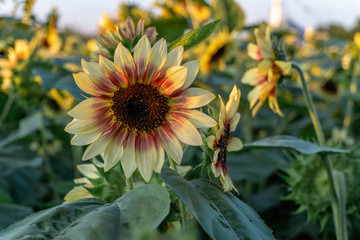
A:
(155, 61)
(174, 78)
(141, 54)
(160, 157)
(125, 61)
(285, 67)
(198, 118)
(234, 144)
(81, 140)
(211, 141)
(87, 85)
(192, 98)
(112, 155)
(128, 159)
(254, 51)
(184, 130)
(93, 69)
(145, 155)
(253, 77)
(174, 57)
(96, 147)
(89, 108)
(112, 72)
(192, 71)
(77, 126)
(170, 143)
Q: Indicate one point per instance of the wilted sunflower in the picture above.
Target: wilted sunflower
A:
(221, 141)
(142, 105)
(265, 77)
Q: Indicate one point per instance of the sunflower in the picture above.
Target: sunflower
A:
(221, 141)
(141, 106)
(265, 77)
(214, 53)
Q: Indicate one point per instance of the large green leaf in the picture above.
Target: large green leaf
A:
(194, 37)
(222, 215)
(10, 213)
(230, 12)
(92, 219)
(27, 125)
(293, 143)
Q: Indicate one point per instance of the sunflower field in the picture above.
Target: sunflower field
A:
(178, 122)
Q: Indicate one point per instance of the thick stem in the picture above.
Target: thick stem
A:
(129, 183)
(339, 215)
(6, 109)
(183, 216)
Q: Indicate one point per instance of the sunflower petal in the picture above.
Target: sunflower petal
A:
(128, 159)
(89, 108)
(155, 61)
(81, 140)
(146, 156)
(192, 98)
(160, 157)
(184, 130)
(96, 147)
(170, 143)
(174, 79)
(234, 144)
(125, 61)
(174, 57)
(112, 72)
(141, 54)
(192, 71)
(198, 118)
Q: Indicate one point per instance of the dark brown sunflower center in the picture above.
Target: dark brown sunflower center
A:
(140, 107)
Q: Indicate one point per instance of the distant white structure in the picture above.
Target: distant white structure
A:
(276, 13)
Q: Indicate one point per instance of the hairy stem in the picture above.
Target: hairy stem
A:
(339, 215)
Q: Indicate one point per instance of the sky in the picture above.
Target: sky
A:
(84, 15)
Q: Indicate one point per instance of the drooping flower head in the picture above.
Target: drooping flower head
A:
(221, 141)
(266, 75)
(127, 34)
(141, 106)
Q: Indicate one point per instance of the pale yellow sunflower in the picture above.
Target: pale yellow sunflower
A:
(141, 106)
(266, 75)
(221, 141)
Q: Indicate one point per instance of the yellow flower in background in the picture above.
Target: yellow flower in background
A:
(106, 24)
(141, 106)
(50, 43)
(213, 53)
(221, 141)
(21, 50)
(351, 57)
(62, 97)
(266, 75)
(89, 171)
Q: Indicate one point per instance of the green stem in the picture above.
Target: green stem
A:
(129, 183)
(350, 104)
(172, 164)
(183, 216)
(339, 215)
(6, 109)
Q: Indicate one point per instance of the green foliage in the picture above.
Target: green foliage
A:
(293, 143)
(222, 215)
(89, 219)
(230, 12)
(194, 37)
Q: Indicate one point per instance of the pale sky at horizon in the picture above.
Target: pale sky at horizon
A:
(84, 15)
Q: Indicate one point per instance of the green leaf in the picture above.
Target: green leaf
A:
(194, 37)
(293, 143)
(27, 126)
(10, 213)
(230, 12)
(222, 215)
(93, 219)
